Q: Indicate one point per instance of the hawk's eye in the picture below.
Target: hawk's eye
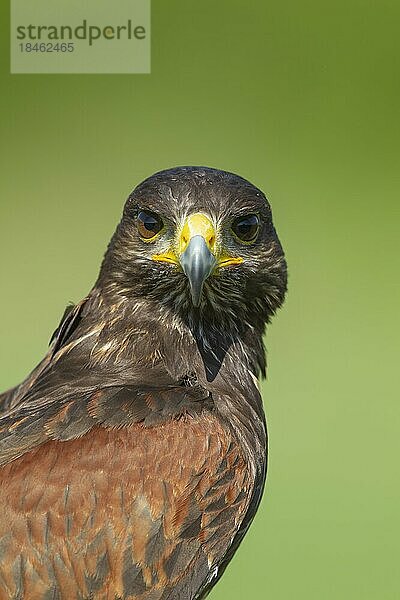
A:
(148, 224)
(246, 228)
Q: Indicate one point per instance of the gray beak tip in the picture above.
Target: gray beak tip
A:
(197, 263)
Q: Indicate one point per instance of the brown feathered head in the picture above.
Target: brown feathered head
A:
(200, 242)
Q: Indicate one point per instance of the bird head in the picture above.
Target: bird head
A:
(201, 242)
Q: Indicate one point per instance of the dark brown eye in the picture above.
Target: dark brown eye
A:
(148, 224)
(246, 228)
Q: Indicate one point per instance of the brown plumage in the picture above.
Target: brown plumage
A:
(133, 458)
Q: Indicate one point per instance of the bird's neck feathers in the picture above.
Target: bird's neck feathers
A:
(227, 363)
(139, 344)
(130, 324)
(230, 307)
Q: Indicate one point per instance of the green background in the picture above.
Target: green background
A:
(302, 98)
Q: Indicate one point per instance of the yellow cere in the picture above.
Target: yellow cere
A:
(197, 224)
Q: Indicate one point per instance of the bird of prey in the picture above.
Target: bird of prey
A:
(133, 458)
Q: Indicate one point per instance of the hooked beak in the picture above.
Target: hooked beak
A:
(197, 252)
(195, 249)
(197, 263)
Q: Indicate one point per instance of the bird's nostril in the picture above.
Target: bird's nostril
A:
(211, 240)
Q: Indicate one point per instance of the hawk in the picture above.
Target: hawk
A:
(133, 458)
